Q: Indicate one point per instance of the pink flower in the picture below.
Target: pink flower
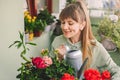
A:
(47, 60)
(39, 62)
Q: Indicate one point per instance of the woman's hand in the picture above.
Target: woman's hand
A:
(61, 52)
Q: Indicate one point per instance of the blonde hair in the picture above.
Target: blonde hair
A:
(78, 12)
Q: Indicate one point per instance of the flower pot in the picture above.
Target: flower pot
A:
(109, 45)
(47, 28)
(37, 33)
(26, 37)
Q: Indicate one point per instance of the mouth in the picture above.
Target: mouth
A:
(66, 32)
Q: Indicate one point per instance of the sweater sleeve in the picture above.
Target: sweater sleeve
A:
(105, 59)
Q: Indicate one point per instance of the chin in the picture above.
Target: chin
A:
(67, 36)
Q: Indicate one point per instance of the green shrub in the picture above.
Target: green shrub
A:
(110, 30)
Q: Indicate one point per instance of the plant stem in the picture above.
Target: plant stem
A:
(24, 52)
(24, 58)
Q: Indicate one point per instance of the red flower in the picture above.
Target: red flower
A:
(39, 62)
(105, 75)
(92, 74)
(67, 76)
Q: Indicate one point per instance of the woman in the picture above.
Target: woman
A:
(77, 34)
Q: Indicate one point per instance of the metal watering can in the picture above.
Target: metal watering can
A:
(74, 58)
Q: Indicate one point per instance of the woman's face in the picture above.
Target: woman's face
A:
(70, 28)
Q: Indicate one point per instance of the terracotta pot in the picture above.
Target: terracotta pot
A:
(37, 33)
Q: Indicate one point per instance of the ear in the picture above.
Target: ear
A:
(82, 25)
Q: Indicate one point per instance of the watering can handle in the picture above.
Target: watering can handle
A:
(79, 73)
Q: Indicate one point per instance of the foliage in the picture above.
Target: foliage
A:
(40, 25)
(44, 15)
(20, 43)
(33, 23)
(110, 29)
(42, 67)
(56, 70)
(29, 22)
(70, 1)
(38, 69)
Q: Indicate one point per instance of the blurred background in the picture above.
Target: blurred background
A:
(12, 20)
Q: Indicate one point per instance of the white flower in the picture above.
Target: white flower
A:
(113, 18)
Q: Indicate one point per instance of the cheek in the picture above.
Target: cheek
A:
(73, 32)
(75, 29)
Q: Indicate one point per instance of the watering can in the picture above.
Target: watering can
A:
(74, 58)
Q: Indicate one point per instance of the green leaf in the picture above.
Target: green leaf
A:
(14, 43)
(31, 43)
(21, 36)
(19, 45)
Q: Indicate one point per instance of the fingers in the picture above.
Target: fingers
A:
(61, 51)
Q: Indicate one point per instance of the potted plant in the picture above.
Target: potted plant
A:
(44, 15)
(42, 67)
(109, 29)
(39, 27)
(29, 23)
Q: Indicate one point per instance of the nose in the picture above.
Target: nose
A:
(64, 26)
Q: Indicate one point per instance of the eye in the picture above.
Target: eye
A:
(62, 22)
(70, 23)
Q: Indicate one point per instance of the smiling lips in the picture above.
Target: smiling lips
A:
(66, 32)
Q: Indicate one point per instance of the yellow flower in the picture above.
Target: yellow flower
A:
(29, 17)
(33, 20)
(44, 52)
(34, 17)
(56, 51)
(25, 15)
(26, 12)
(31, 35)
(29, 20)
